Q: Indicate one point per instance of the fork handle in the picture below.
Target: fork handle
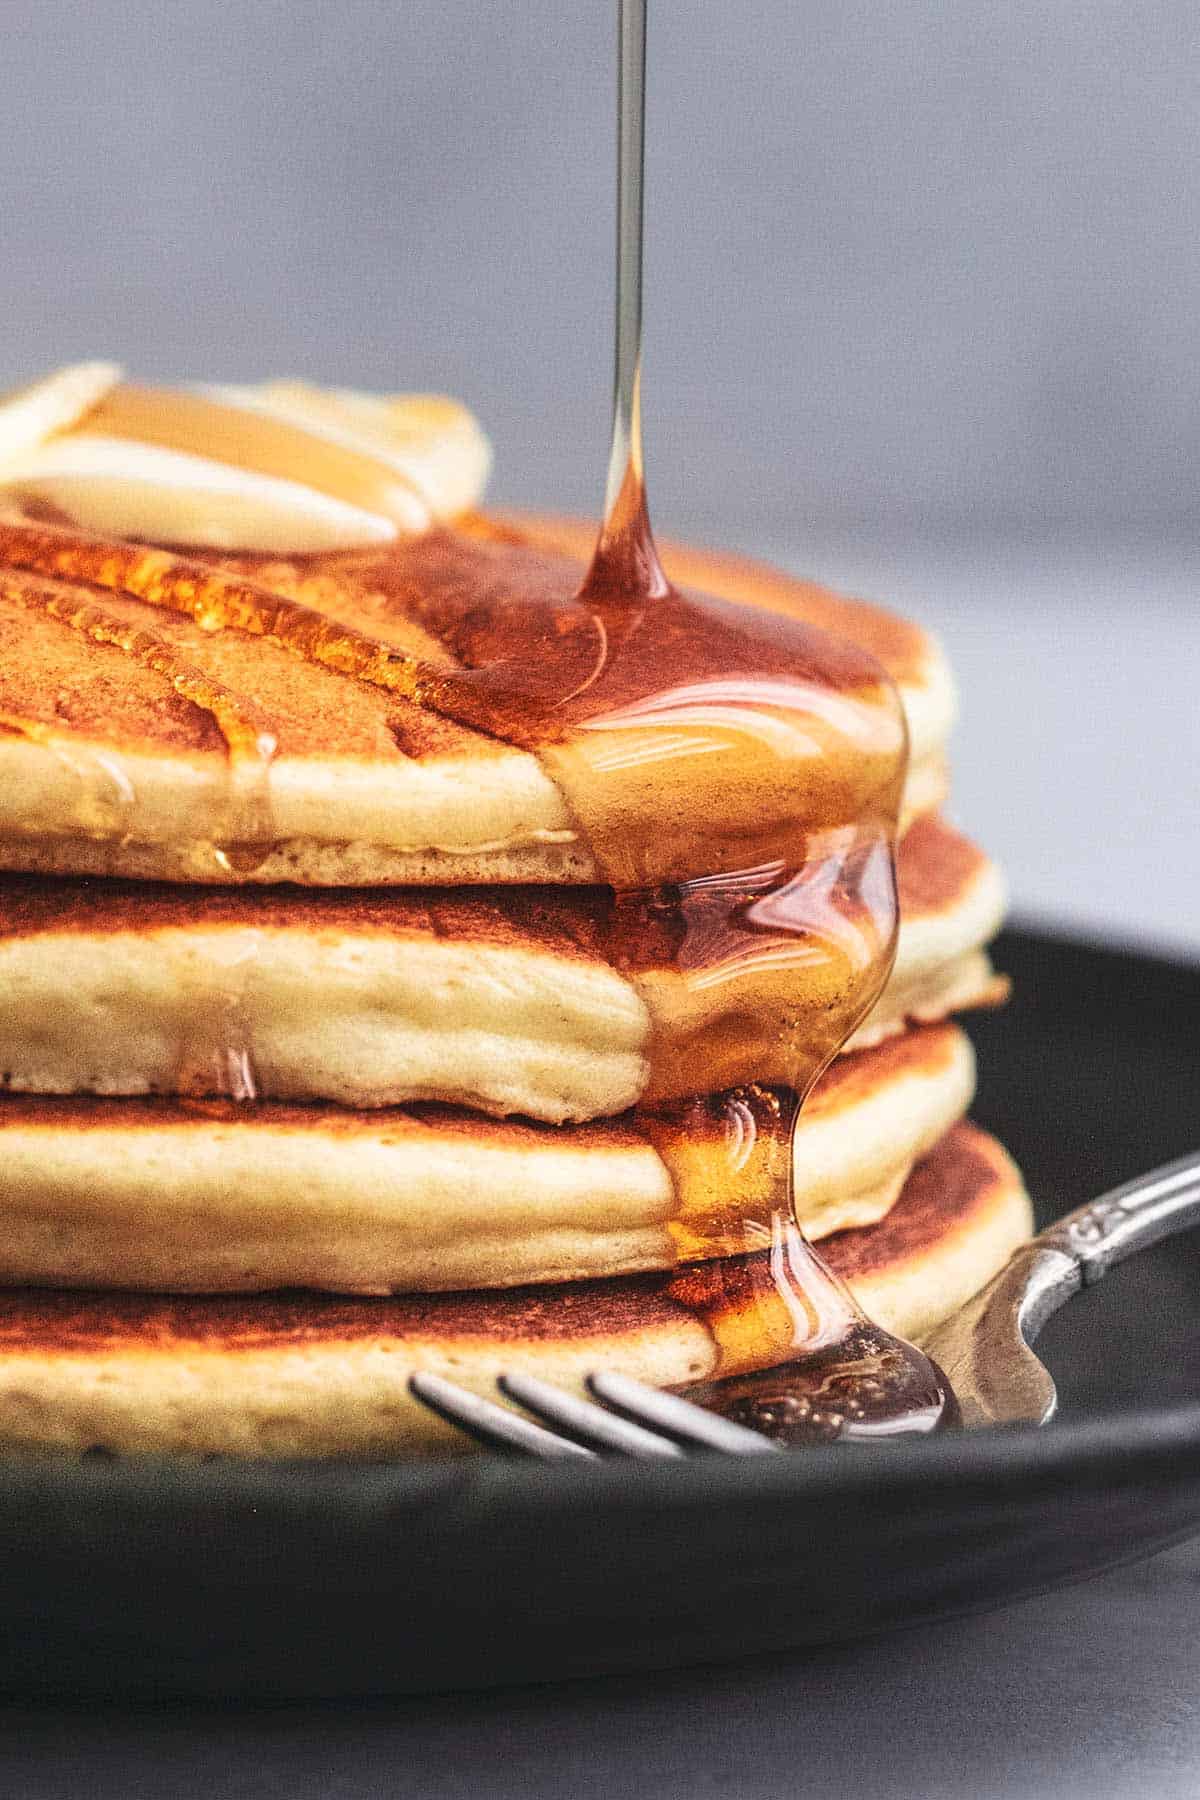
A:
(985, 1348)
(1125, 1220)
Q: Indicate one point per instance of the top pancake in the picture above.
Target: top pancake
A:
(107, 768)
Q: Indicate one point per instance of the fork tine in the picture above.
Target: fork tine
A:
(603, 1430)
(496, 1426)
(684, 1422)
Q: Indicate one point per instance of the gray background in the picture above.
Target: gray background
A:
(924, 302)
(917, 262)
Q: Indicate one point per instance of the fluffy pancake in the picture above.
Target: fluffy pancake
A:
(296, 1375)
(207, 1196)
(952, 900)
(507, 1000)
(107, 768)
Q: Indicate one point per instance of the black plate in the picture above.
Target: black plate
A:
(294, 1580)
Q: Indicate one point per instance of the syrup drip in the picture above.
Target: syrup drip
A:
(833, 1374)
(795, 1356)
(215, 1050)
(104, 798)
(824, 917)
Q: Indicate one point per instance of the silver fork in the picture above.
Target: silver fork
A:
(984, 1348)
(633, 1419)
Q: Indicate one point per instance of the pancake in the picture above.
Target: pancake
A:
(512, 1001)
(952, 900)
(207, 1196)
(303, 1376)
(108, 767)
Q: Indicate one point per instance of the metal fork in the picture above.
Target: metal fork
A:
(985, 1348)
(634, 1420)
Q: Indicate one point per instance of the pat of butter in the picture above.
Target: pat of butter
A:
(282, 468)
(132, 490)
(56, 403)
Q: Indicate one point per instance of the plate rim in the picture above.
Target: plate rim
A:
(1142, 1441)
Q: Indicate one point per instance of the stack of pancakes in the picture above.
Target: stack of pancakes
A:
(284, 1122)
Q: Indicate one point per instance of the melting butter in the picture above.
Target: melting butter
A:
(55, 404)
(283, 469)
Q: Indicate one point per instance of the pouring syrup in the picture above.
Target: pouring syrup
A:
(838, 1375)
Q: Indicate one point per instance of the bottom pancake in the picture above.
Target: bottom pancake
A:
(301, 1375)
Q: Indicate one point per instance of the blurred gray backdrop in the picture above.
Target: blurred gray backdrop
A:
(921, 275)
(920, 261)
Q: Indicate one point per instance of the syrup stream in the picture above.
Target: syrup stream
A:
(626, 559)
(837, 1374)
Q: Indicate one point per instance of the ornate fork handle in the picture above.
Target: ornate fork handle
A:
(985, 1348)
(1086, 1244)
(1130, 1218)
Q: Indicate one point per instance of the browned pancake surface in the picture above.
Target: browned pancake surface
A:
(935, 865)
(53, 675)
(408, 596)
